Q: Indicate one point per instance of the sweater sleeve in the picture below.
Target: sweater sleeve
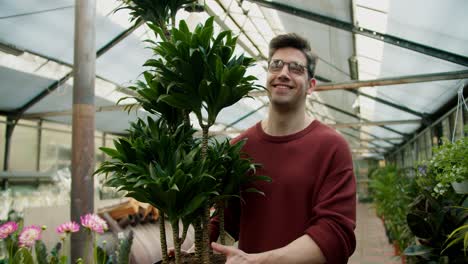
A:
(334, 215)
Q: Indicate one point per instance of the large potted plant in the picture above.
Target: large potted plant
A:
(160, 161)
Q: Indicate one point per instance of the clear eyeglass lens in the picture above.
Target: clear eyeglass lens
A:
(293, 67)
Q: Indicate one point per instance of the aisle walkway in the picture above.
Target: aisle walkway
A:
(372, 244)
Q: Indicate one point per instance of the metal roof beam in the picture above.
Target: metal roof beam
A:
(441, 76)
(20, 111)
(373, 139)
(400, 42)
(245, 116)
(376, 123)
(108, 108)
(352, 128)
(388, 103)
(357, 117)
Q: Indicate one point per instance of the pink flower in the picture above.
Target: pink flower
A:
(94, 223)
(68, 227)
(29, 235)
(7, 229)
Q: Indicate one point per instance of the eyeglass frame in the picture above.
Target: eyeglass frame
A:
(304, 67)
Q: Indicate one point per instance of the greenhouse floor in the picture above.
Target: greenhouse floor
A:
(372, 244)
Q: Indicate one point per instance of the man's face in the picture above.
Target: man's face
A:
(288, 86)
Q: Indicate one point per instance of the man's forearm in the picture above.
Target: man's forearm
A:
(301, 250)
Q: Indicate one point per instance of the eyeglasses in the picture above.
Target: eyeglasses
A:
(293, 67)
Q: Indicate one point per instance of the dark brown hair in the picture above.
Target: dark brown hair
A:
(293, 40)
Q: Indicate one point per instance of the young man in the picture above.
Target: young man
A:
(308, 213)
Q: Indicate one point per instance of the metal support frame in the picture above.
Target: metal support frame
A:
(245, 116)
(388, 103)
(97, 109)
(48, 58)
(400, 42)
(352, 128)
(441, 76)
(18, 113)
(440, 115)
(82, 167)
(39, 145)
(6, 158)
(376, 123)
(241, 43)
(358, 118)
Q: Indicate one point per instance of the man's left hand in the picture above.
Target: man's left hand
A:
(234, 255)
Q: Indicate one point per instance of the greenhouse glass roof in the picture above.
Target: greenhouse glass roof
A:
(356, 40)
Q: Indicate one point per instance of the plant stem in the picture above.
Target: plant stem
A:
(95, 249)
(177, 244)
(204, 141)
(10, 249)
(185, 114)
(206, 249)
(222, 232)
(198, 239)
(162, 231)
(206, 253)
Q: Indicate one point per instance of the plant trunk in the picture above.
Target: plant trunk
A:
(206, 253)
(222, 232)
(185, 114)
(177, 244)
(204, 141)
(205, 220)
(162, 230)
(198, 239)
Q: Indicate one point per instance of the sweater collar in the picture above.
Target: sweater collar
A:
(290, 137)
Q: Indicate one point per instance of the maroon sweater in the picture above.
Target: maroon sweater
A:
(313, 192)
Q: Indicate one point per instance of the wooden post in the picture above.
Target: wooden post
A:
(84, 72)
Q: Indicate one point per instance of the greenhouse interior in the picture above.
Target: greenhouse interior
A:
(120, 126)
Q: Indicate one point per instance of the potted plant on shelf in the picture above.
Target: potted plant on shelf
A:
(434, 218)
(160, 162)
(392, 190)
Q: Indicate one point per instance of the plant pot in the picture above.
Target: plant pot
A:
(396, 248)
(189, 258)
(403, 259)
(460, 187)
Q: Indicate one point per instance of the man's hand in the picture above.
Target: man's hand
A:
(234, 255)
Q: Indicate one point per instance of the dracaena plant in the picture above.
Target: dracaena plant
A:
(160, 162)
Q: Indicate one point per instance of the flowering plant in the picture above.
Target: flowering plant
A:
(21, 243)
(449, 164)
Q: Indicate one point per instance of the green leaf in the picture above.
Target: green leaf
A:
(419, 226)
(417, 250)
(195, 204)
(110, 152)
(23, 256)
(253, 190)
(41, 252)
(259, 178)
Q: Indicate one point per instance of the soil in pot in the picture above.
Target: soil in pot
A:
(189, 258)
